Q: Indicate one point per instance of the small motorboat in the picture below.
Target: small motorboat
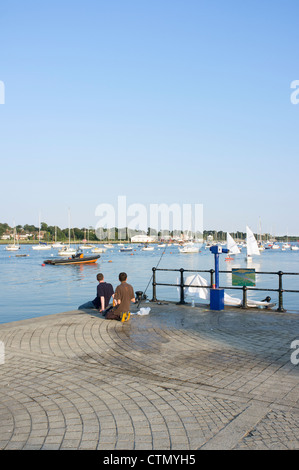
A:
(86, 247)
(275, 246)
(147, 248)
(57, 245)
(67, 251)
(189, 248)
(98, 249)
(126, 248)
(78, 258)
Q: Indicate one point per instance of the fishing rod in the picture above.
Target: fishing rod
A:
(141, 295)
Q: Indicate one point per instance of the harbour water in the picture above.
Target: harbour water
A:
(29, 289)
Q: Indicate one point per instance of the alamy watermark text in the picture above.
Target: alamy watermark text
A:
(139, 217)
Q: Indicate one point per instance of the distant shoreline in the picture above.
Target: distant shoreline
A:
(36, 242)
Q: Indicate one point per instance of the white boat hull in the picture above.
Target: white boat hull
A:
(98, 250)
(12, 248)
(189, 250)
(68, 252)
(41, 248)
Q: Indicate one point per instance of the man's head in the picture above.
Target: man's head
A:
(122, 277)
(100, 277)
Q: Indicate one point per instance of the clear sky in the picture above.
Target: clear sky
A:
(163, 101)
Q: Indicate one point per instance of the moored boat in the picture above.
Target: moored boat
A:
(12, 247)
(86, 247)
(275, 246)
(78, 258)
(189, 248)
(57, 245)
(15, 246)
(67, 251)
(99, 249)
(41, 246)
(147, 248)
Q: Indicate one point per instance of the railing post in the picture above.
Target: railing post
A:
(280, 292)
(154, 299)
(182, 294)
(244, 302)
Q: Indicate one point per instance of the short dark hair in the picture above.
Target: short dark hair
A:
(122, 277)
(100, 277)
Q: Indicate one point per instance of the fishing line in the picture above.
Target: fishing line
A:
(143, 295)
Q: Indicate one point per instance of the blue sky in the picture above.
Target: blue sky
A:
(163, 101)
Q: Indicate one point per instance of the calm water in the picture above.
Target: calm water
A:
(29, 289)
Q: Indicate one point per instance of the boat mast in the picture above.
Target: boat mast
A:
(69, 229)
(39, 227)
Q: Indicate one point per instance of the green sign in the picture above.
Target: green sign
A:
(243, 277)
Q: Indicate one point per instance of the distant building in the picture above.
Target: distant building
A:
(143, 239)
(41, 235)
(24, 236)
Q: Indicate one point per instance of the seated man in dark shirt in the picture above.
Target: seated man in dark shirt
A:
(104, 293)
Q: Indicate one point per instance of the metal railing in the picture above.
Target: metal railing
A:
(244, 289)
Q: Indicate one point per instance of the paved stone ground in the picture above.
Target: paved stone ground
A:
(180, 378)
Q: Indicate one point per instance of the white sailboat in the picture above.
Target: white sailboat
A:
(189, 248)
(260, 243)
(40, 246)
(86, 246)
(12, 247)
(147, 248)
(232, 245)
(15, 246)
(67, 250)
(57, 244)
(251, 244)
(99, 249)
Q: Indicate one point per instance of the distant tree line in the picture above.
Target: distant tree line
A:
(50, 233)
(221, 236)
